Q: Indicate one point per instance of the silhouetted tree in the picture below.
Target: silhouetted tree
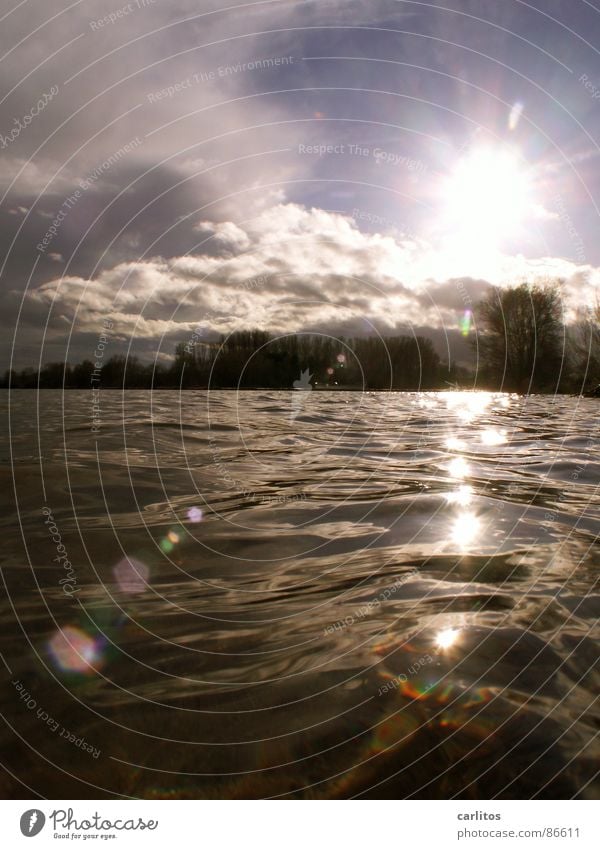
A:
(54, 376)
(584, 339)
(81, 374)
(521, 338)
(253, 358)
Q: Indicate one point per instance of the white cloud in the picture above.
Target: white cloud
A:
(293, 268)
(225, 233)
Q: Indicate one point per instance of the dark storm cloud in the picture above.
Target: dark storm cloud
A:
(460, 293)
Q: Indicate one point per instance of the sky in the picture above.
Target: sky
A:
(182, 169)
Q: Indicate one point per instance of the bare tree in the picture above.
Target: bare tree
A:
(584, 346)
(521, 338)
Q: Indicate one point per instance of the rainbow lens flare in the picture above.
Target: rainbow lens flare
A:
(75, 651)
(131, 575)
(195, 514)
(465, 322)
(173, 537)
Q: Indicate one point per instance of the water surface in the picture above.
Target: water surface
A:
(315, 594)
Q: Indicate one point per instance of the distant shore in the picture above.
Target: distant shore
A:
(561, 392)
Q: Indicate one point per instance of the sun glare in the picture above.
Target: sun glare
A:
(446, 638)
(465, 529)
(462, 496)
(488, 195)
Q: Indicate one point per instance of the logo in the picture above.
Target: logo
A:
(32, 822)
(299, 397)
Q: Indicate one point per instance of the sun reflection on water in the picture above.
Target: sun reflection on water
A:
(447, 638)
(468, 405)
(465, 529)
(491, 436)
(458, 467)
(461, 496)
(454, 444)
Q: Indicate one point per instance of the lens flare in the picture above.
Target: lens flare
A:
(462, 496)
(467, 405)
(515, 115)
(131, 575)
(465, 529)
(173, 537)
(454, 444)
(446, 638)
(458, 467)
(195, 514)
(493, 437)
(488, 196)
(75, 651)
(465, 323)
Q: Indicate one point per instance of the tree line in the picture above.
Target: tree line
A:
(520, 343)
(524, 344)
(256, 359)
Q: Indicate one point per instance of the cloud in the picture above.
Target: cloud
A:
(290, 269)
(225, 233)
(216, 195)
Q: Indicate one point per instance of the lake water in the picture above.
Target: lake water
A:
(309, 594)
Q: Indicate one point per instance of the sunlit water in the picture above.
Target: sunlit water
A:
(319, 594)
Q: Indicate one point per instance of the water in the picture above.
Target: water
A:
(310, 594)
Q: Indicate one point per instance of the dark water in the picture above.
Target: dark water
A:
(300, 594)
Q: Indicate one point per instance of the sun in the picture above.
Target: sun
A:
(487, 196)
